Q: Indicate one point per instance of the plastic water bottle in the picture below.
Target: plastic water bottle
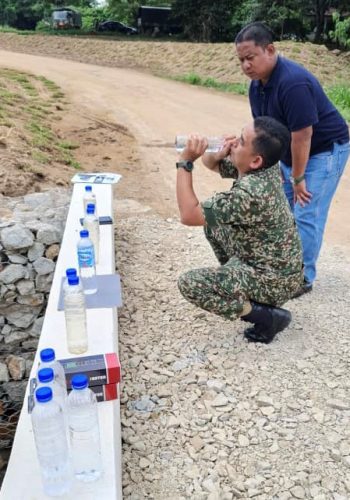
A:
(84, 430)
(48, 360)
(215, 144)
(51, 443)
(71, 271)
(46, 378)
(86, 259)
(75, 315)
(91, 223)
(89, 197)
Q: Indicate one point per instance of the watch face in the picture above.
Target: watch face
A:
(187, 165)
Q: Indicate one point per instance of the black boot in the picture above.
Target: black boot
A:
(268, 321)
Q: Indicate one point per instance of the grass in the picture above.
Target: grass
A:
(194, 79)
(340, 97)
(36, 100)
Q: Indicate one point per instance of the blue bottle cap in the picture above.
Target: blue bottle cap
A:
(90, 209)
(88, 189)
(43, 395)
(73, 280)
(45, 375)
(71, 271)
(79, 381)
(47, 355)
(84, 233)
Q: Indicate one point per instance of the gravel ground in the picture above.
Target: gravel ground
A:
(205, 415)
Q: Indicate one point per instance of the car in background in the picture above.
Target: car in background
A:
(116, 26)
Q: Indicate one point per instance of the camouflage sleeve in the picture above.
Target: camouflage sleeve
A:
(227, 169)
(230, 207)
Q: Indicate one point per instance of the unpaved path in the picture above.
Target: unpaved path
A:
(155, 110)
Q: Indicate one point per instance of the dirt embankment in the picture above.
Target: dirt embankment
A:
(174, 59)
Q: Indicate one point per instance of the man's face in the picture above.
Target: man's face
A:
(242, 154)
(256, 62)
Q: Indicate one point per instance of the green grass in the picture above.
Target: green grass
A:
(194, 79)
(340, 97)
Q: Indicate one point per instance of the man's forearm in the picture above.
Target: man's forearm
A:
(300, 148)
(189, 208)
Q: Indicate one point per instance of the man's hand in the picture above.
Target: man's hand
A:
(301, 194)
(195, 148)
(212, 160)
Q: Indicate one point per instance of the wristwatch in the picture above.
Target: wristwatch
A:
(186, 164)
(297, 180)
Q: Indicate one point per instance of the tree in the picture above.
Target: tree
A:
(205, 20)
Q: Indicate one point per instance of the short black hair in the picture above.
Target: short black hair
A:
(271, 140)
(256, 32)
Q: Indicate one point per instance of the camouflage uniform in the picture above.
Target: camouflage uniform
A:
(253, 234)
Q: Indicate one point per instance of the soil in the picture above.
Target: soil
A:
(125, 120)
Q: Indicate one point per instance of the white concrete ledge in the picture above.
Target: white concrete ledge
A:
(22, 480)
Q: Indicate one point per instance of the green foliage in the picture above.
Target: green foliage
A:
(340, 96)
(205, 20)
(341, 33)
(194, 79)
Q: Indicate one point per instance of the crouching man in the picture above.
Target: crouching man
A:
(250, 229)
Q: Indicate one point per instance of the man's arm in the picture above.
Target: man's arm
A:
(190, 210)
(300, 148)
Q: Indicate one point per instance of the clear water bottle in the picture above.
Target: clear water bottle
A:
(51, 443)
(71, 271)
(86, 259)
(75, 316)
(84, 430)
(215, 144)
(46, 378)
(89, 197)
(91, 223)
(48, 360)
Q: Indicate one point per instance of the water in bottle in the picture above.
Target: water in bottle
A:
(91, 223)
(46, 378)
(71, 271)
(89, 197)
(75, 316)
(215, 144)
(84, 430)
(51, 443)
(48, 360)
(86, 259)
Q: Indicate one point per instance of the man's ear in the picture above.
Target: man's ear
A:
(271, 49)
(256, 163)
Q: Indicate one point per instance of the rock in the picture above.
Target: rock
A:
(197, 442)
(36, 251)
(298, 492)
(44, 266)
(144, 463)
(52, 252)
(21, 316)
(25, 287)
(173, 422)
(16, 367)
(16, 237)
(35, 331)
(243, 441)
(219, 401)
(339, 404)
(12, 273)
(48, 234)
(216, 385)
(17, 259)
(4, 374)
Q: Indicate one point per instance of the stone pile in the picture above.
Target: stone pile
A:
(31, 229)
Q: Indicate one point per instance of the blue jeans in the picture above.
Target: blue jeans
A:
(322, 175)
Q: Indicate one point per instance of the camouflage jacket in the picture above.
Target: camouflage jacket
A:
(256, 220)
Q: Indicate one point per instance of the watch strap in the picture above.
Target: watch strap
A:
(298, 180)
(186, 164)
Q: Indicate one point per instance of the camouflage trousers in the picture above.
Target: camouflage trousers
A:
(225, 289)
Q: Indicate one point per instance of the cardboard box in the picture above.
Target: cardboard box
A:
(101, 369)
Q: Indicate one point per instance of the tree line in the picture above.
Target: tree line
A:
(205, 20)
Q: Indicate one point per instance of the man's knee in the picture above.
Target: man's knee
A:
(186, 285)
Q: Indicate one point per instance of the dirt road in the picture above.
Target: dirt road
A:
(154, 110)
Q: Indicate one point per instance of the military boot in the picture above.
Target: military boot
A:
(268, 321)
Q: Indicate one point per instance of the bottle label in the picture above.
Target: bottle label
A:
(86, 257)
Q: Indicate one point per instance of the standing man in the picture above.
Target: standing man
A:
(319, 149)
(250, 228)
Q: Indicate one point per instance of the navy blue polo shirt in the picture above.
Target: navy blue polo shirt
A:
(294, 97)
